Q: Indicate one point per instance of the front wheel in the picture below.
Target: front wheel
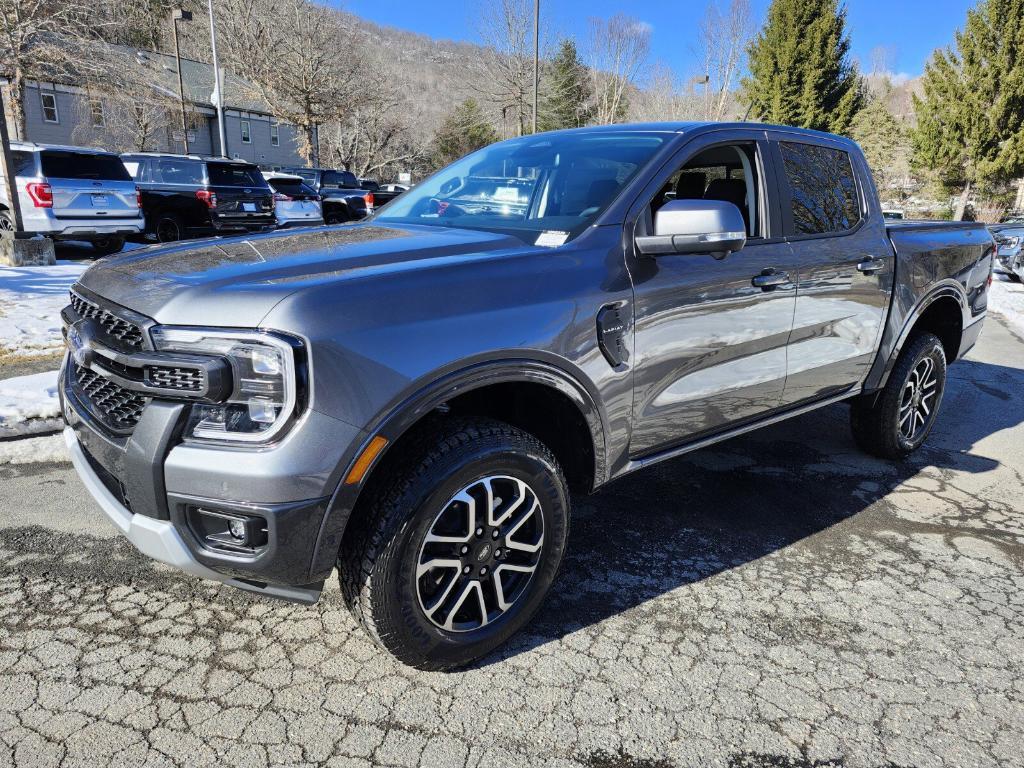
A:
(895, 422)
(460, 545)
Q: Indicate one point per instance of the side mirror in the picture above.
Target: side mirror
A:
(695, 226)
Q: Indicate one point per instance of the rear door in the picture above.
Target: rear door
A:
(89, 186)
(710, 333)
(243, 195)
(843, 262)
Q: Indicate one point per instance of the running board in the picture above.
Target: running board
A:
(307, 594)
(679, 450)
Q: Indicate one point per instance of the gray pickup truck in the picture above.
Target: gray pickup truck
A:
(411, 399)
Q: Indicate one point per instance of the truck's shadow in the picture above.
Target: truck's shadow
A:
(691, 518)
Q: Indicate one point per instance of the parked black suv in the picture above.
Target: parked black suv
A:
(191, 196)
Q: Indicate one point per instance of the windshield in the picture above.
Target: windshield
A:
(552, 186)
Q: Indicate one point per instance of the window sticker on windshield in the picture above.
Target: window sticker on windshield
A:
(552, 238)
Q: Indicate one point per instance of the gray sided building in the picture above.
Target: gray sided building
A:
(147, 117)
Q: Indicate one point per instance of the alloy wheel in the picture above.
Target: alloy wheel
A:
(917, 401)
(479, 554)
(6, 225)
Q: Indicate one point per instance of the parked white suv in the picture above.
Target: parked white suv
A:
(70, 193)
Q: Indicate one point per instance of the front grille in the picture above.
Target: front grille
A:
(124, 331)
(167, 377)
(117, 408)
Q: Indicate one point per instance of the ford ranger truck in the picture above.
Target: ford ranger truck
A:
(412, 399)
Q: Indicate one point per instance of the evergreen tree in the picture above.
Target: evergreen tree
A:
(969, 133)
(884, 140)
(567, 104)
(465, 130)
(800, 72)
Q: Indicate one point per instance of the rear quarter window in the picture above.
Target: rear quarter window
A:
(75, 165)
(823, 188)
(229, 175)
(175, 171)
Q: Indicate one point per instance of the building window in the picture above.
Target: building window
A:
(49, 102)
(96, 112)
(246, 132)
(275, 135)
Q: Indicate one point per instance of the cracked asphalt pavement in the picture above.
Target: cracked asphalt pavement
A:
(778, 600)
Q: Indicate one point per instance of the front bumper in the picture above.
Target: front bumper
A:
(160, 539)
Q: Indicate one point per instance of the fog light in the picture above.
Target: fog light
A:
(232, 531)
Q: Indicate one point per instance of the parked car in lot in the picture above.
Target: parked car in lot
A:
(340, 194)
(186, 196)
(399, 188)
(295, 202)
(70, 193)
(412, 399)
(1009, 239)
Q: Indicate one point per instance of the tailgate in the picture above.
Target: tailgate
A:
(88, 186)
(242, 192)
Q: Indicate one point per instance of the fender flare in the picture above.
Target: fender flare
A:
(397, 420)
(879, 376)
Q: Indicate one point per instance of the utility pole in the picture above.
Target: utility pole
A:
(218, 85)
(536, 59)
(179, 14)
(7, 167)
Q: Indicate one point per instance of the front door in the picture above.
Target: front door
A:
(711, 334)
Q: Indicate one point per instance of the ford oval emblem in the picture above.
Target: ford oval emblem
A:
(80, 350)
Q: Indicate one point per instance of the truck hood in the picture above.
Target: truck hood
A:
(237, 281)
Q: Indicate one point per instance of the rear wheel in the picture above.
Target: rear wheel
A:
(460, 545)
(895, 422)
(336, 215)
(168, 228)
(108, 245)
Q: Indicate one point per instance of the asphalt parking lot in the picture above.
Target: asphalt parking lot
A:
(779, 600)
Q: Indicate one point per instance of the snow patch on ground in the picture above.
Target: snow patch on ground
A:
(1006, 299)
(31, 299)
(28, 397)
(33, 450)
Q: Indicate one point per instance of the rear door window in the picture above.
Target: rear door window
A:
(823, 188)
(74, 165)
(343, 179)
(231, 175)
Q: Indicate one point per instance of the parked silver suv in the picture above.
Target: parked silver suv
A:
(70, 193)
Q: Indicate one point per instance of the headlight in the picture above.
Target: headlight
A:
(1007, 242)
(264, 387)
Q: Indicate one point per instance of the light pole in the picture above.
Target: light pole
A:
(179, 14)
(536, 59)
(217, 84)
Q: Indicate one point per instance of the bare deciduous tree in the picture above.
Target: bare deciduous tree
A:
(375, 137)
(505, 79)
(297, 57)
(723, 37)
(38, 42)
(618, 49)
(663, 97)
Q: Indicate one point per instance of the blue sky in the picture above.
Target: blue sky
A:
(910, 29)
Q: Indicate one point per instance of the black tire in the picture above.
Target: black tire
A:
(879, 420)
(108, 245)
(378, 560)
(6, 222)
(168, 228)
(339, 215)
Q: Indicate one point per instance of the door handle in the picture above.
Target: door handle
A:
(769, 279)
(870, 265)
